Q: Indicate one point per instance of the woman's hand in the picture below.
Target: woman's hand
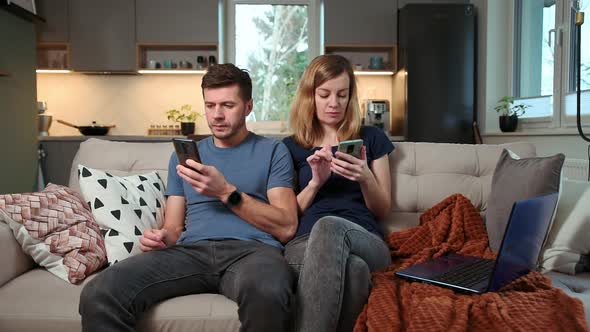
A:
(320, 166)
(352, 168)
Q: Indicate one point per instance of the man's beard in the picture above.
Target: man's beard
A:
(227, 134)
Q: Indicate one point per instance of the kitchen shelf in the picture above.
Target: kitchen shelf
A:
(174, 53)
(360, 55)
(4, 73)
(374, 72)
(53, 56)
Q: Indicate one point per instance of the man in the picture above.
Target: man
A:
(239, 207)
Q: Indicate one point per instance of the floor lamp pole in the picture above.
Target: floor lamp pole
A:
(579, 22)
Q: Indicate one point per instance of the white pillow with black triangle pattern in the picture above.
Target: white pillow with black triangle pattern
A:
(123, 207)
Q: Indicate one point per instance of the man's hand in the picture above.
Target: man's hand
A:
(350, 167)
(320, 166)
(152, 239)
(206, 180)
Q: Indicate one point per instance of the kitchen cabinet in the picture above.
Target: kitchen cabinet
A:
(55, 28)
(176, 32)
(102, 35)
(53, 34)
(361, 56)
(18, 90)
(369, 22)
(177, 21)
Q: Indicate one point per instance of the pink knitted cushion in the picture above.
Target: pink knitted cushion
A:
(56, 228)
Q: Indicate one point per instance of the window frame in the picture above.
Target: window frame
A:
(562, 75)
(315, 38)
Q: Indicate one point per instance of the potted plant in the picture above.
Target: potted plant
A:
(186, 116)
(509, 113)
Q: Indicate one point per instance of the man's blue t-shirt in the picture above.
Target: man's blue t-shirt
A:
(254, 166)
(338, 196)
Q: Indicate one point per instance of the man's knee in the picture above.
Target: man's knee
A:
(99, 289)
(275, 288)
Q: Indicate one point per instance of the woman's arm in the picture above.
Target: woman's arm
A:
(306, 196)
(377, 189)
(320, 172)
(375, 184)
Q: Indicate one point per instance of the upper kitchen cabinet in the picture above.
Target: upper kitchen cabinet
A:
(359, 23)
(55, 27)
(53, 34)
(102, 35)
(177, 21)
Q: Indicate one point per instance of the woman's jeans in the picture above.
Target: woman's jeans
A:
(253, 274)
(334, 265)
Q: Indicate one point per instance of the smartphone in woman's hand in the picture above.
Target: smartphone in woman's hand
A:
(351, 147)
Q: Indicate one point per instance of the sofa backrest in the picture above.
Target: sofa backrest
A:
(121, 158)
(423, 174)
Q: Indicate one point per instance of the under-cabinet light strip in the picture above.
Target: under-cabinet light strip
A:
(53, 71)
(156, 71)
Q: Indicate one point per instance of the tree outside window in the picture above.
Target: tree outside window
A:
(272, 43)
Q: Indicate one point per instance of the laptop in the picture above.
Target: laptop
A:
(519, 252)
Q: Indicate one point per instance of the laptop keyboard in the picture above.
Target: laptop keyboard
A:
(469, 274)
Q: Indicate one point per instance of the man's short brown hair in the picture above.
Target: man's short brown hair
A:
(227, 74)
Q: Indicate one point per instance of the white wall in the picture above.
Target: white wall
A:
(131, 102)
(497, 61)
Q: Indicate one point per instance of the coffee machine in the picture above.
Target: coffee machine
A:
(377, 114)
(43, 119)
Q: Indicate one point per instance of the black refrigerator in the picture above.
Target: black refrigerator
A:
(437, 57)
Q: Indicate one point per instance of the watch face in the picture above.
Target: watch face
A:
(234, 198)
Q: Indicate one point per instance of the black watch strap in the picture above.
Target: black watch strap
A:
(235, 198)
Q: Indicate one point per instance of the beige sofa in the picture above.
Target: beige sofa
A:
(32, 299)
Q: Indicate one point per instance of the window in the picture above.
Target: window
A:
(274, 41)
(544, 71)
(570, 98)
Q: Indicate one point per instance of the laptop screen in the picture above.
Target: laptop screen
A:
(523, 238)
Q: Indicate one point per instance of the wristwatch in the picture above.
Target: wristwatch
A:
(234, 198)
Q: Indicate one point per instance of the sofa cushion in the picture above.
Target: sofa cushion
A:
(56, 228)
(568, 245)
(123, 206)
(577, 286)
(121, 158)
(516, 179)
(37, 301)
(423, 174)
(13, 259)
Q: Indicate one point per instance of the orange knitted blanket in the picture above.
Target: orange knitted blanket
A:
(529, 303)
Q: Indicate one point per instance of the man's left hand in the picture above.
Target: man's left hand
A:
(206, 180)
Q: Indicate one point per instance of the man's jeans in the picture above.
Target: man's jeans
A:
(334, 265)
(253, 274)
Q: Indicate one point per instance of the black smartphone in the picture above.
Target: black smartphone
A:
(351, 147)
(186, 149)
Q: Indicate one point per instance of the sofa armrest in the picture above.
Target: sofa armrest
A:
(13, 260)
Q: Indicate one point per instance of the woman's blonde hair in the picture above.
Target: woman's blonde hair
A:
(303, 120)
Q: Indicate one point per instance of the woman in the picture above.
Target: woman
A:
(340, 198)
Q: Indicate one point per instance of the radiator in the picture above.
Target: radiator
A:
(575, 169)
